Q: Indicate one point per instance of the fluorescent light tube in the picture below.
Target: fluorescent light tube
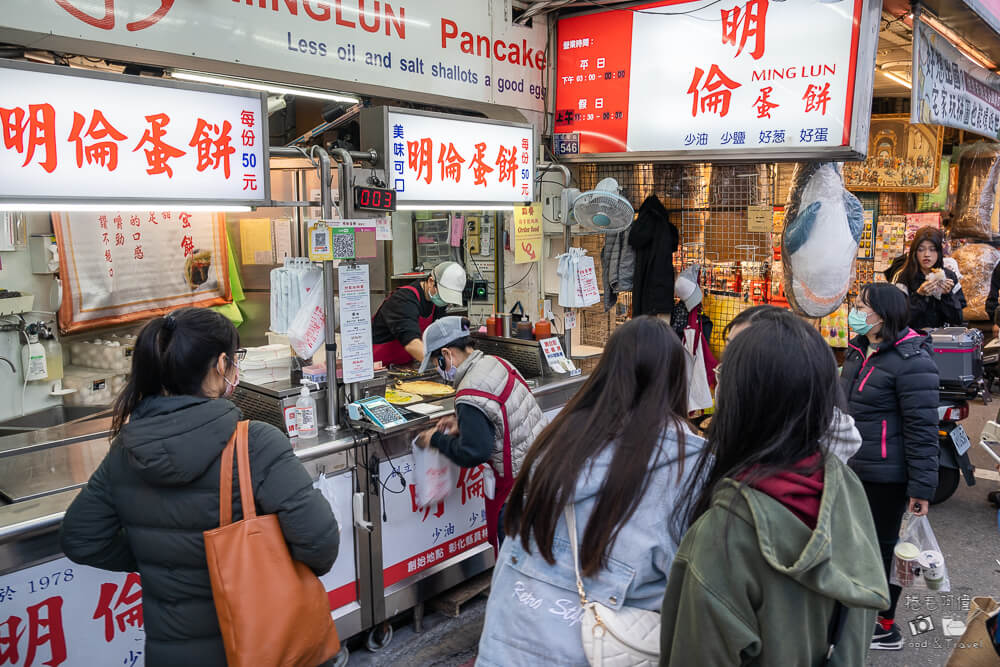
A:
(265, 86)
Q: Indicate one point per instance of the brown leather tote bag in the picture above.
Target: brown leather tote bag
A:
(273, 611)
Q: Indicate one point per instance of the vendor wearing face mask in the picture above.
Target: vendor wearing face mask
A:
(496, 419)
(403, 317)
(935, 294)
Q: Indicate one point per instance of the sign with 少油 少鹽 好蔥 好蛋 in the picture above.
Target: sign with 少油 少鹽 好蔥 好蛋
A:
(758, 77)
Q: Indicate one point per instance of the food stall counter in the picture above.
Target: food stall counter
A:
(393, 555)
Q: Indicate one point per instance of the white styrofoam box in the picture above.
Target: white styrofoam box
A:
(113, 354)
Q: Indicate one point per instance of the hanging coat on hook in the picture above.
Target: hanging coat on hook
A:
(655, 240)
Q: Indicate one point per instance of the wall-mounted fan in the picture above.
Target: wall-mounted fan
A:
(602, 209)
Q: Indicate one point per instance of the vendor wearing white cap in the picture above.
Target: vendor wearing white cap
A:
(402, 318)
(497, 418)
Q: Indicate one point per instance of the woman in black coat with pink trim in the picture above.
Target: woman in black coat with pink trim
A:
(891, 383)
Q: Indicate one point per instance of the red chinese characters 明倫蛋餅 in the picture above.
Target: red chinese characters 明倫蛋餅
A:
(740, 24)
(104, 149)
(214, 145)
(478, 165)
(420, 157)
(438, 510)
(451, 162)
(127, 608)
(764, 103)
(159, 151)
(719, 89)
(28, 131)
(817, 98)
(44, 629)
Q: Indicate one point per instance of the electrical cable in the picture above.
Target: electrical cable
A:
(655, 13)
(530, 266)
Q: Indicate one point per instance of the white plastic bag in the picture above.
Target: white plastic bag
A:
(434, 475)
(699, 391)
(917, 561)
(586, 277)
(308, 327)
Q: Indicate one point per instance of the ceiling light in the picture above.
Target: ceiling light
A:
(265, 86)
(121, 206)
(898, 79)
(969, 51)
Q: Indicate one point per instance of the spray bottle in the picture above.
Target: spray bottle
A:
(305, 413)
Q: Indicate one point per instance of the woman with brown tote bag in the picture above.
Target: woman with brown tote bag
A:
(156, 493)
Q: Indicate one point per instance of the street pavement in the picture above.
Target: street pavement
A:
(965, 527)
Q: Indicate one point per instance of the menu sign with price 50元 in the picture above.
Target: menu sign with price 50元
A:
(754, 76)
(76, 137)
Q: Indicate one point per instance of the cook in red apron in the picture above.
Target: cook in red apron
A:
(393, 352)
(505, 477)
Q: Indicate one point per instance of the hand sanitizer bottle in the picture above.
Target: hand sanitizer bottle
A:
(305, 414)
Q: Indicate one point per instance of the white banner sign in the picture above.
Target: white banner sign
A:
(949, 89)
(444, 159)
(414, 538)
(468, 50)
(341, 582)
(61, 613)
(356, 323)
(742, 75)
(120, 266)
(110, 137)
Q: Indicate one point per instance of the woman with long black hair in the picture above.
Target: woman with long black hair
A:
(618, 455)
(146, 506)
(781, 551)
(935, 294)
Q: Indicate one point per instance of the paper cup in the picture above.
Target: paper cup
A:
(905, 562)
(932, 566)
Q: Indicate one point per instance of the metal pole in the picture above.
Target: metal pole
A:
(567, 239)
(329, 304)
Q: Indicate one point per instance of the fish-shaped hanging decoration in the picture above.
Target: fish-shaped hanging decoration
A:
(823, 224)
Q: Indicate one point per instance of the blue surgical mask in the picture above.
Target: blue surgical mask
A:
(858, 322)
(438, 301)
(448, 375)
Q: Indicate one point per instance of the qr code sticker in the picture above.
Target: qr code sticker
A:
(319, 239)
(343, 246)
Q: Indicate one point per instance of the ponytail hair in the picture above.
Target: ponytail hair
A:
(172, 356)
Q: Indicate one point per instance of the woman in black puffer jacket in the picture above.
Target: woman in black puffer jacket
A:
(145, 508)
(891, 384)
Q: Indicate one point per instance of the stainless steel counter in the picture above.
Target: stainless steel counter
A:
(28, 470)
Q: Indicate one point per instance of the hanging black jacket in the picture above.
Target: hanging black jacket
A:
(893, 397)
(157, 490)
(655, 240)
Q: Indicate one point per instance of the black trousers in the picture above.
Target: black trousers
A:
(888, 504)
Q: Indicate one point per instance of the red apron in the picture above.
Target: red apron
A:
(505, 478)
(393, 352)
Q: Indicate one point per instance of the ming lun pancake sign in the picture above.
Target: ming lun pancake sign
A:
(701, 79)
(73, 136)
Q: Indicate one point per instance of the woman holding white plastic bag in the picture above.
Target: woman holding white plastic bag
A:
(616, 456)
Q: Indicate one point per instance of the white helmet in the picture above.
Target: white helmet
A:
(450, 278)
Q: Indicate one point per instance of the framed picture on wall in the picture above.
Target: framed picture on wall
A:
(901, 157)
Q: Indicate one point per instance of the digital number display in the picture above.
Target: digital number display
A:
(374, 199)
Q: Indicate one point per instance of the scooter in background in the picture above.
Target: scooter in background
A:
(959, 356)
(954, 444)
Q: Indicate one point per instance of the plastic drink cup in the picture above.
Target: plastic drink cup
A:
(932, 566)
(906, 563)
